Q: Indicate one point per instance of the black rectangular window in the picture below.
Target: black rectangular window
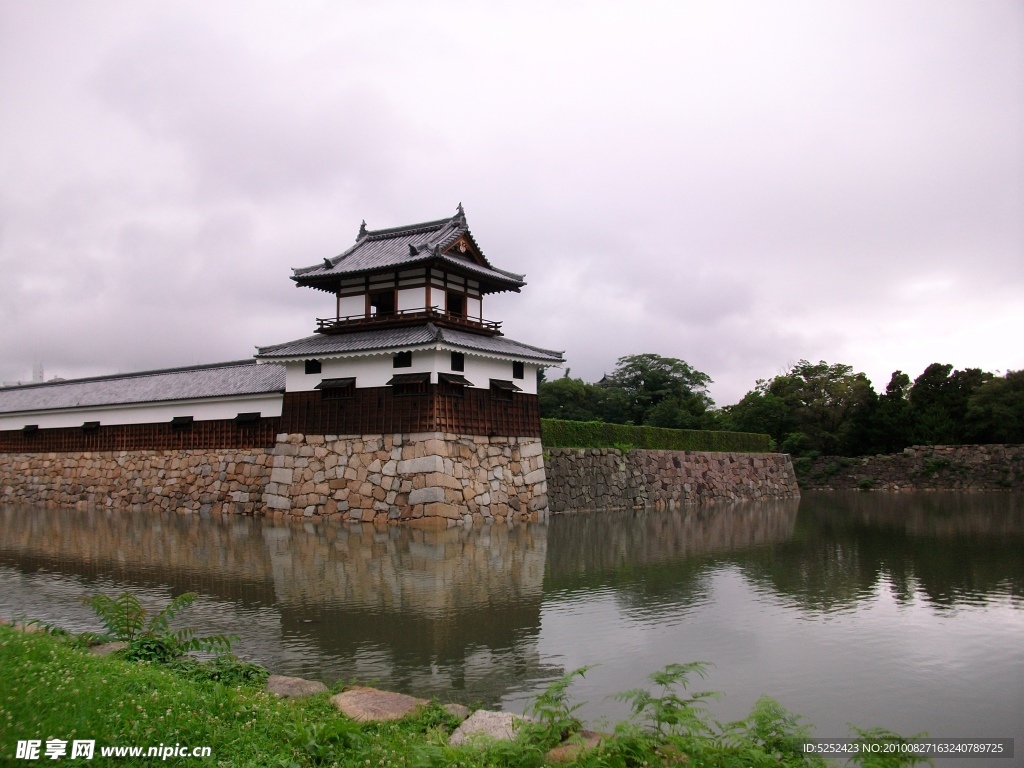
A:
(181, 422)
(456, 304)
(458, 361)
(312, 366)
(383, 303)
(90, 426)
(402, 360)
(517, 370)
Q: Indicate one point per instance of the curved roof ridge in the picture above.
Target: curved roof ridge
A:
(408, 229)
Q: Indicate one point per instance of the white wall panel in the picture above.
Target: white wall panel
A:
(412, 298)
(149, 413)
(353, 305)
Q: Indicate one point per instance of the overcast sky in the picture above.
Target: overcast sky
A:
(740, 185)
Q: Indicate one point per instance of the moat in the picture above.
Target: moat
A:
(901, 610)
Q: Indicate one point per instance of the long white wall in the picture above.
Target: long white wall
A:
(207, 409)
(377, 370)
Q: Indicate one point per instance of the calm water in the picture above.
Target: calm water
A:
(899, 610)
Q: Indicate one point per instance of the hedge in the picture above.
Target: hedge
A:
(556, 433)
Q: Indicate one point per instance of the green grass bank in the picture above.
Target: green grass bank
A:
(51, 687)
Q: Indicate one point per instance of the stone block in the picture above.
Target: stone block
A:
(537, 476)
(441, 509)
(427, 495)
(281, 475)
(278, 502)
(422, 464)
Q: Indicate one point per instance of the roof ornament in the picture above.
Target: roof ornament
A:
(437, 249)
(362, 230)
(460, 215)
(328, 264)
(412, 249)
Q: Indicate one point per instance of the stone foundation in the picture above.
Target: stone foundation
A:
(607, 478)
(424, 477)
(378, 478)
(408, 477)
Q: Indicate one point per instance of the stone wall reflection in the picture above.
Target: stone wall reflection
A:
(592, 543)
(431, 611)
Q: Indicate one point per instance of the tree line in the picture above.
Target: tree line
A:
(811, 409)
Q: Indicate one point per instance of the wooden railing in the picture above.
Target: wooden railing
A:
(405, 317)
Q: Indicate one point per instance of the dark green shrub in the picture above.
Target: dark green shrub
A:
(556, 433)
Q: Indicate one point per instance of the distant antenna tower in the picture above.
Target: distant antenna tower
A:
(37, 373)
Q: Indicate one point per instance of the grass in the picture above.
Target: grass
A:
(51, 687)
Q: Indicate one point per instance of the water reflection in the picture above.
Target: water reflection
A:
(780, 595)
(950, 549)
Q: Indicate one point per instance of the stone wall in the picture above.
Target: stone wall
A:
(364, 478)
(435, 476)
(408, 477)
(607, 478)
(189, 480)
(930, 468)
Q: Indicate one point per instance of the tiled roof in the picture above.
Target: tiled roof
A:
(402, 338)
(243, 377)
(405, 247)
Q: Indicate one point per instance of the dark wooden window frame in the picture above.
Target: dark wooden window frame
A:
(312, 367)
(458, 362)
(338, 389)
(502, 390)
(410, 383)
(402, 360)
(518, 370)
(182, 422)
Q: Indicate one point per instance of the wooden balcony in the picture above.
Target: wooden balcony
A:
(406, 317)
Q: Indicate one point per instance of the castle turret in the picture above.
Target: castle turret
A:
(409, 347)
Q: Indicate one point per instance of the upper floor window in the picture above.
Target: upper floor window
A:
(402, 360)
(456, 304)
(518, 370)
(312, 366)
(382, 303)
(458, 361)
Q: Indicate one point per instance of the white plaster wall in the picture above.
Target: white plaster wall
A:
(370, 370)
(480, 371)
(148, 413)
(473, 307)
(352, 305)
(412, 298)
(377, 370)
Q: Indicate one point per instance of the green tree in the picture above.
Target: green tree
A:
(938, 402)
(894, 422)
(572, 399)
(814, 407)
(995, 410)
(659, 391)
